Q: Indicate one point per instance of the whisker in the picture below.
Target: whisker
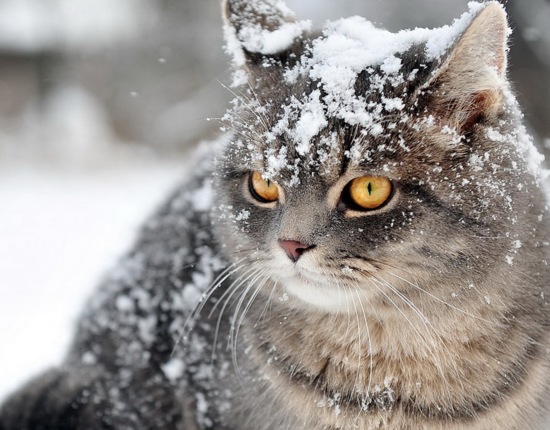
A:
(247, 105)
(375, 282)
(369, 384)
(228, 290)
(267, 304)
(438, 298)
(213, 286)
(427, 325)
(424, 291)
(243, 314)
(359, 343)
(235, 324)
(226, 298)
(347, 304)
(258, 100)
(194, 314)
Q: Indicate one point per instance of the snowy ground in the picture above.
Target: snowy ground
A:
(60, 230)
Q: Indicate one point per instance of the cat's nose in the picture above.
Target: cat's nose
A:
(294, 249)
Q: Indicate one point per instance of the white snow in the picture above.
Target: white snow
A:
(60, 231)
(252, 37)
(311, 122)
(125, 304)
(174, 369)
(203, 197)
(347, 47)
(256, 39)
(351, 45)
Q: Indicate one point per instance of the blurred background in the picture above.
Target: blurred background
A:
(101, 102)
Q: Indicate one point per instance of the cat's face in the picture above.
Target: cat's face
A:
(378, 183)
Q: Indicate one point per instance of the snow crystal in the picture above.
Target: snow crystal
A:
(495, 135)
(311, 122)
(202, 404)
(346, 48)
(476, 163)
(174, 369)
(147, 327)
(525, 144)
(276, 162)
(351, 45)
(203, 197)
(393, 103)
(191, 296)
(242, 215)
(124, 304)
(391, 65)
(202, 409)
(256, 39)
(284, 297)
(347, 270)
(252, 37)
(233, 46)
(446, 35)
(516, 244)
(240, 77)
(89, 358)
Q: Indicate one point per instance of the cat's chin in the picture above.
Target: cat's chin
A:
(320, 296)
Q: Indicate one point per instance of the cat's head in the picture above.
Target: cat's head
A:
(367, 165)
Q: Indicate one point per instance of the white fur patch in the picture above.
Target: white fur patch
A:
(326, 297)
(301, 282)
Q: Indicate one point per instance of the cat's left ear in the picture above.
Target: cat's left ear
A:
(259, 29)
(469, 84)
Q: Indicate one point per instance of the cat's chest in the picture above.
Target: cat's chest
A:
(328, 376)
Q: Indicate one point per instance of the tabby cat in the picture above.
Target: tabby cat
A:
(366, 248)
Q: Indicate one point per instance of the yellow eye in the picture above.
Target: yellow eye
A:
(262, 189)
(370, 192)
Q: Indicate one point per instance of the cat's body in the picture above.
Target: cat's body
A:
(425, 310)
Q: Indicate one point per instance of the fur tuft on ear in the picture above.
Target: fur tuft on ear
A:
(468, 86)
(256, 28)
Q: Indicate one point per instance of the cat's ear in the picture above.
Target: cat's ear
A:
(469, 84)
(259, 29)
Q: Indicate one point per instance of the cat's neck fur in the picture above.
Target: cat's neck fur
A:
(332, 368)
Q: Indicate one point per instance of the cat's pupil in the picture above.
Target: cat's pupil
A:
(268, 183)
(369, 188)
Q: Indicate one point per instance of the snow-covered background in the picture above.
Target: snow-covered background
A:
(100, 103)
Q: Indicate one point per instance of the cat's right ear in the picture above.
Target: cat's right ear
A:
(469, 84)
(260, 30)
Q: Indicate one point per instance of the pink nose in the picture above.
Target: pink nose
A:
(294, 249)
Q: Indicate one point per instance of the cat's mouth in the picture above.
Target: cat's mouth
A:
(310, 284)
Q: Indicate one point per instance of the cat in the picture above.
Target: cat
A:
(367, 247)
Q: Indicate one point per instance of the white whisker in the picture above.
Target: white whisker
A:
(225, 298)
(369, 384)
(359, 340)
(235, 322)
(437, 298)
(194, 314)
